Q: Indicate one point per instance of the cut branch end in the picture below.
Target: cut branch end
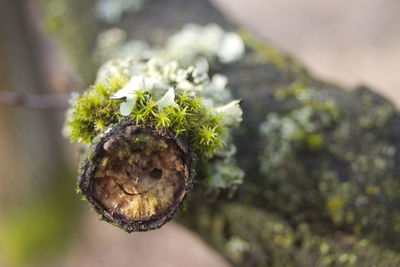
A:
(137, 176)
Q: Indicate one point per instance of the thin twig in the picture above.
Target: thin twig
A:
(48, 101)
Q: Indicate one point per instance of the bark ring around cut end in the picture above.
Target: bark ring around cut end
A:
(136, 176)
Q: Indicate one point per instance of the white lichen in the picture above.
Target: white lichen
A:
(194, 45)
(231, 48)
(232, 113)
(111, 11)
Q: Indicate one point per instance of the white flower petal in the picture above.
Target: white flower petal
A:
(126, 107)
(144, 83)
(136, 83)
(124, 92)
(167, 100)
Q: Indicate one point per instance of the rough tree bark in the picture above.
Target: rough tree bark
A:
(320, 193)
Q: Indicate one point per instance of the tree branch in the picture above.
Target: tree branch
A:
(33, 101)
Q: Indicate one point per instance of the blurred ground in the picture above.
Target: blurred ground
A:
(101, 244)
(349, 42)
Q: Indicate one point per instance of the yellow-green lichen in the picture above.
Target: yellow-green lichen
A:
(319, 156)
(244, 233)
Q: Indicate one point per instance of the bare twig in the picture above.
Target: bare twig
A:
(48, 101)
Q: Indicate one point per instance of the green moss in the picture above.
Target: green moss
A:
(94, 111)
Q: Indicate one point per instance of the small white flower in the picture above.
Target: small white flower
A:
(126, 107)
(232, 113)
(167, 100)
(127, 92)
(231, 48)
(136, 83)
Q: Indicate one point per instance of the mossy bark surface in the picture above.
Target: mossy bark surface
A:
(250, 236)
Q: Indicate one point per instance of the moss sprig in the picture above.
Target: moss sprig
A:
(188, 117)
(93, 111)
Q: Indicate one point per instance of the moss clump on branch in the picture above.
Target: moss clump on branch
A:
(93, 111)
(158, 95)
(183, 113)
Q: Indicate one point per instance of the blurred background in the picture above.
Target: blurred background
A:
(42, 220)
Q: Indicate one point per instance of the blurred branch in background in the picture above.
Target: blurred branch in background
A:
(35, 177)
(54, 101)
